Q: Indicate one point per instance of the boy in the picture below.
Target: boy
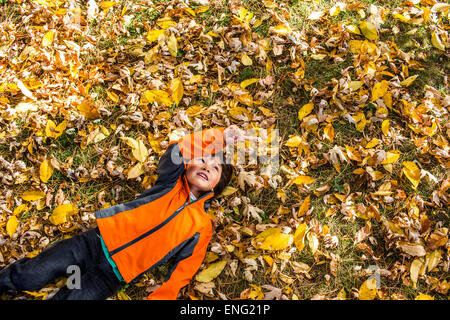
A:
(167, 220)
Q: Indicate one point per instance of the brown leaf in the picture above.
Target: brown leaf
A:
(362, 234)
(412, 249)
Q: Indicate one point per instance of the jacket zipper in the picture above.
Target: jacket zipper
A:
(162, 224)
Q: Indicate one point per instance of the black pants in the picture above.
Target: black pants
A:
(83, 253)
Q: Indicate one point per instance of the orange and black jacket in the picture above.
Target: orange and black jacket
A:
(162, 222)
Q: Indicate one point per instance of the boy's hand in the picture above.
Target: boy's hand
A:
(233, 134)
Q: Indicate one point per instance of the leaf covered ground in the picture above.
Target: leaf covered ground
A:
(358, 207)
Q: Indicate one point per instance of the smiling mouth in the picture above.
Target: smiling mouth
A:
(203, 176)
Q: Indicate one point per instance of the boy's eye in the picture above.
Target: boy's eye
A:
(203, 160)
(217, 168)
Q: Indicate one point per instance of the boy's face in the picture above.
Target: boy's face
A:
(203, 174)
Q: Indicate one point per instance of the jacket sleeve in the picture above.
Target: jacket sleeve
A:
(187, 263)
(172, 163)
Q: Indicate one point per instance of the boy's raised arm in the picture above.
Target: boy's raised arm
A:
(172, 163)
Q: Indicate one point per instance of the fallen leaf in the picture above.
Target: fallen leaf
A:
(414, 270)
(368, 290)
(412, 172)
(368, 30)
(313, 242)
(412, 249)
(437, 42)
(299, 236)
(177, 89)
(32, 195)
(11, 225)
(61, 213)
(45, 170)
(48, 38)
(423, 296)
(304, 207)
(305, 110)
(272, 239)
(210, 273)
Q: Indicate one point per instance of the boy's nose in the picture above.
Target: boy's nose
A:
(206, 167)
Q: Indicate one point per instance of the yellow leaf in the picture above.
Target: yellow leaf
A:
(415, 270)
(53, 131)
(32, 195)
(240, 113)
(88, 110)
(385, 127)
(436, 41)
(407, 82)
(165, 22)
(48, 38)
(228, 191)
(177, 89)
(130, 142)
(433, 259)
(299, 236)
(41, 295)
(121, 295)
(61, 213)
(105, 5)
(272, 239)
(387, 98)
(412, 172)
(304, 179)
(153, 35)
(172, 44)
(159, 96)
(268, 66)
(313, 242)
(355, 85)
(401, 17)
(304, 207)
(359, 171)
(379, 89)
(328, 132)
(248, 82)
(305, 110)
(319, 56)
(20, 209)
(256, 293)
(210, 273)
(375, 174)
(45, 170)
(113, 96)
(246, 60)
(368, 290)
(281, 29)
(140, 152)
(342, 294)
(368, 30)
(294, 141)
(372, 143)
(11, 225)
(334, 11)
(353, 29)
(361, 124)
(50, 128)
(423, 296)
(135, 171)
(202, 9)
(391, 157)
